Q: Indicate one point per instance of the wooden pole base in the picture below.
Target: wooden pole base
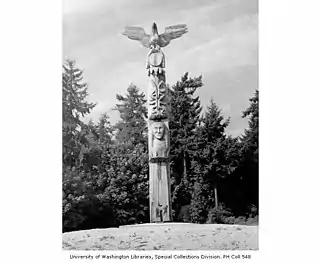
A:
(159, 192)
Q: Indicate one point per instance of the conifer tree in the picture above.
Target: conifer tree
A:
(213, 161)
(75, 106)
(250, 150)
(250, 138)
(78, 185)
(185, 113)
(132, 128)
(128, 168)
(98, 142)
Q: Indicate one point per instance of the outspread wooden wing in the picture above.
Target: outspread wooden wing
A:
(137, 33)
(172, 32)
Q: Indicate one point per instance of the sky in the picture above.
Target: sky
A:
(221, 45)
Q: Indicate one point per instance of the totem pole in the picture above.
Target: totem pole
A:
(158, 117)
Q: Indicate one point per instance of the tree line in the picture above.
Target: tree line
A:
(214, 176)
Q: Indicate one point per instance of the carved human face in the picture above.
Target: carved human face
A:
(158, 130)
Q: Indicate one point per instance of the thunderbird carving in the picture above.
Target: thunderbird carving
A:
(155, 40)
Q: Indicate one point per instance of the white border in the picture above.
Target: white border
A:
(289, 128)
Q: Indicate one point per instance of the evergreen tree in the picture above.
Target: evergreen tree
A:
(127, 185)
(84, 204)
(214, 132)
(243, 184)
(98, 142)
(75, 106)
(250, 138)
(81, 207)
(214, 160)
(250, 149)
(185, 112)
(104, 129)
(132, 129)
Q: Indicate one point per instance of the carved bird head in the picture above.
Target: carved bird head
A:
(154, 37)
(154, 29)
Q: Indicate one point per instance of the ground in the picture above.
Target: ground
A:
(167, 236)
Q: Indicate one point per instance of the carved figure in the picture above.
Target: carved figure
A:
(155, 62)
(157, 100)
(159, 141)
(155, 40)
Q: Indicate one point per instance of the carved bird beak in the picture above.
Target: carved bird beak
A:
(154, 29)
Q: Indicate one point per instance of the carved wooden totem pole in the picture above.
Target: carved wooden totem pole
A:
(158, 117)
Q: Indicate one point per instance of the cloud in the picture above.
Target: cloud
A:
(222, 45)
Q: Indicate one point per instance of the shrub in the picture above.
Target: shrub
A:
(241, 220)
(253, 221)
(219, 215)
(184, 214)
(229, 220)
(252, 211)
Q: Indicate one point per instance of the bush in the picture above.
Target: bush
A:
(219, 215)
(82, 208)
(252, 211)
(86, 213)
(241, 220)
(253, 221)
(229, 220)
(184, 214)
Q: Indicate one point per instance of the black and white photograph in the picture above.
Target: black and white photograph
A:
(160, 125)
(160, 131)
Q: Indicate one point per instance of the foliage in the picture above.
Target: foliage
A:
(214, 176)
(132, 128)
(253, 221)
(127, 185)
(199, 203)
(81, 206)
(74, 94)
(128, 168)
(224, 215)
(184, 214)
(215, 158)
(249, 163)
(219, 215)
(251, 135)
(185, 114)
